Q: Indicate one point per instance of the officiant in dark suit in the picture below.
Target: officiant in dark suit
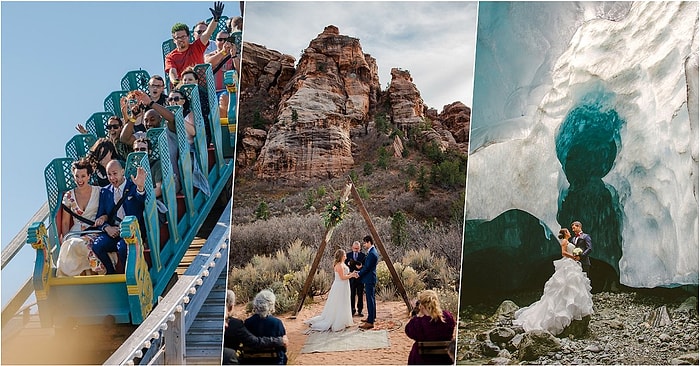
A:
(353, 260)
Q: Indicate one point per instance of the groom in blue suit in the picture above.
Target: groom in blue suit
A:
(122, 197)
(368, 276)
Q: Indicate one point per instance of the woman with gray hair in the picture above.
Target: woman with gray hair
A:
(263, 324)
(236, 336)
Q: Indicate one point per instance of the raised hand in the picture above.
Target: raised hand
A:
(217, 10)
(140, 179)
(81, 128)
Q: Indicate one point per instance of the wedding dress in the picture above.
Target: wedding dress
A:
(76, 253)
(566, 297)
(336, 314)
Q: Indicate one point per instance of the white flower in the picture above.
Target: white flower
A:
(577, 251)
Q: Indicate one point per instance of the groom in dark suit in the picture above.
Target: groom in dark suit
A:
(368, 276)
(354, 260)
(122, 197)
(583, 241)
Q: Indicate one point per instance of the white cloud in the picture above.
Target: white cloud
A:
(433, 40)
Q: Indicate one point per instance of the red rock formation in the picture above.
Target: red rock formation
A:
(456, 118)
(334, 87)
(406, 102)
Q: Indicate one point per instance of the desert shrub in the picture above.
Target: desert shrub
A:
(353, 176)
(433, 271)
(386, 294)
(267, 237)
(411, 170)
(381, 123)
(409, 278)
(383, 159)
(284, 273)
(423, 183)
(432, 151)
(363, 192)
(368, 168)
(310, 199)
(295, 115)
(450, 173)
(258, 122)
(449, 300)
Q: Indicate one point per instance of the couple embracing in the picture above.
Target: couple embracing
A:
(337, 313)
(567, 293)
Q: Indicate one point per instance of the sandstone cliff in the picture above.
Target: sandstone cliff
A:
(309, 111)
(331, 90)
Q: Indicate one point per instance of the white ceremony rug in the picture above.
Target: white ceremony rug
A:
(346, 340)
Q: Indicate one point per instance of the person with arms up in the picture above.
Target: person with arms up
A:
(189, 54)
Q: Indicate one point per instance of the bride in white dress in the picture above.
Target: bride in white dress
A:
(76, 254)
(337, 313)
(566, 296)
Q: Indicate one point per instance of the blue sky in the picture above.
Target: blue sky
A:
(59, 60)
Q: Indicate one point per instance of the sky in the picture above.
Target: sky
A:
(58, 61)
(433, 40)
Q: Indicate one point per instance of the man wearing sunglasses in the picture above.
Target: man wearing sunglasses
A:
(222, 60)
(198, 30)
(186, 54)
(113, 130)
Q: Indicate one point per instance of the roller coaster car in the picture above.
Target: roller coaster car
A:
(129, 297)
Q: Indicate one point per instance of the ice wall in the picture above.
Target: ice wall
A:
(543, 60)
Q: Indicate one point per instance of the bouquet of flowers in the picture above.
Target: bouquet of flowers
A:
(577, 251)
(334, 213)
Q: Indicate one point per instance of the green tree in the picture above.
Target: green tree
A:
(263, 211)
(423, 185)
(383, 159)
(399, 234)
(295, 116)
(381, 123)
(368, 168)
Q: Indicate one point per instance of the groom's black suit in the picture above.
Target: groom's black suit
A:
(356, 286)
(584, 242)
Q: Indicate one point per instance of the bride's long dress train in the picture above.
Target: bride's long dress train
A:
(566, 297)
(336, 314)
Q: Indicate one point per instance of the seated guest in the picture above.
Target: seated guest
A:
(190, 54)
(114, 129)
(143, 144)
(197, 32)
(222, 59)
(178, 97)
(122, 197)
(154, 118)
(430, 323)
(144, 122)
(189, 76)
(101, 153)
(80, 204)
(156, 89)
(237, 335)
(262, 323)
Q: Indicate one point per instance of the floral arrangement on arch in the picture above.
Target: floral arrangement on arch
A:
(334, 213)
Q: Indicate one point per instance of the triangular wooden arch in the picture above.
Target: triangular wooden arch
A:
(350, 189)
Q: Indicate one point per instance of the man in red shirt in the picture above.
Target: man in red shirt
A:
(186, 54)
